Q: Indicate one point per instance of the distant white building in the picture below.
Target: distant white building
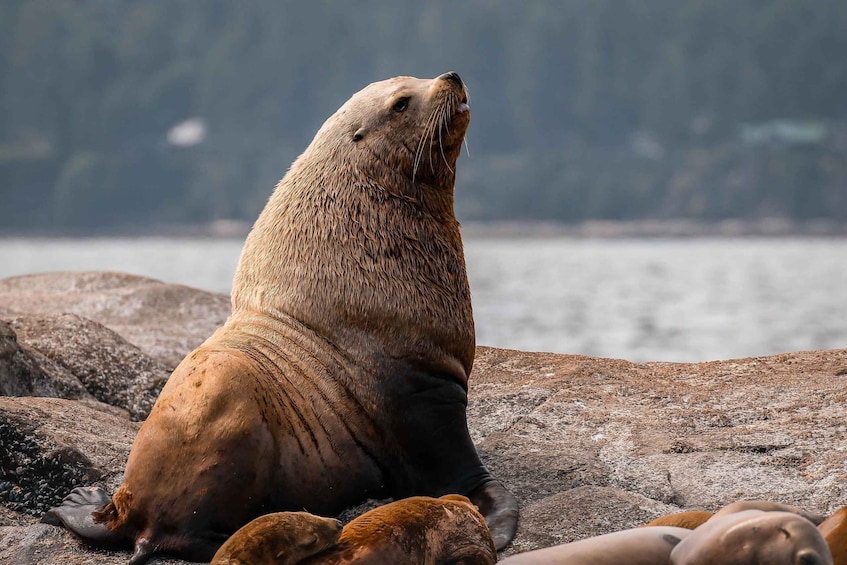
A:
(188, 133)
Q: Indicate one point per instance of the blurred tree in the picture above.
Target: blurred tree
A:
(617, 109)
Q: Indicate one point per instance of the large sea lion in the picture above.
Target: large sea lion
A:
(280, 538)
(342, 373)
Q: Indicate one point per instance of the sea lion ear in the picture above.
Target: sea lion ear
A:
(360, 133)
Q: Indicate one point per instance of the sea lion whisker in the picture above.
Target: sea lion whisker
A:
(419, 154)
(443, 156)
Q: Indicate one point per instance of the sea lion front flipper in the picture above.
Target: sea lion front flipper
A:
(76, 513)
(500, 508)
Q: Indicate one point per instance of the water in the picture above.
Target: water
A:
(660, 300)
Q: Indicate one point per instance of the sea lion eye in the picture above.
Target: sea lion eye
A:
(401, 104)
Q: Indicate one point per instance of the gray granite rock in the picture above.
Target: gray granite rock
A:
(109, 368)
(588, 445)
(20, 373)
(163, 320)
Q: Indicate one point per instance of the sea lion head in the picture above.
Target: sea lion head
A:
(752, 536)
(414, 126)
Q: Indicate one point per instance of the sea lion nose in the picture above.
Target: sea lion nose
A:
(453, 76)
(338, 524)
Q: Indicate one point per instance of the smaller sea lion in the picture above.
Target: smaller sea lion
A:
(688, 519)
(834, 531)
(638, 546)
(768, 506)
(420, 530)
(693, 518)
(753, 537)
(281, 538)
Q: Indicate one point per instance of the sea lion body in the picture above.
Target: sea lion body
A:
(342, 373)
(281, 538)
(420, 530)
(834, 532)
(688, 519)
(694, 518)
(638, 546)
(753, 537)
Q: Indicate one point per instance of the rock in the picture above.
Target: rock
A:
(20, 374)
(588, 445)
(165, 321)
(40, 544)
(660, 437)
(112, 370)
(48, 446)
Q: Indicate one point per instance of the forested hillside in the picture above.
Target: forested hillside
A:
(582, 109)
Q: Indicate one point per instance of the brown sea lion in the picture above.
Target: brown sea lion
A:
(419, 530)
(753, 537)
(689, 519)
(342, 373)
(281, 538)
(834, 532)
(638, 546)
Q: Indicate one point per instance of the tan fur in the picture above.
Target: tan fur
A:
(753, 537)
(420, 530)
(350, 246)
(637, 546)
(768, 506)
(693, 518)
(351, 338)
(281, 538)
(689, 519)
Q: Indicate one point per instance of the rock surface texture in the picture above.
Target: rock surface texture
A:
(588, 445)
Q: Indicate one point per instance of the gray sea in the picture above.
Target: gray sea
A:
(639, 299)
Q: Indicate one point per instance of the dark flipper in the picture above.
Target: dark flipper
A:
(76, 514)
(500, 508)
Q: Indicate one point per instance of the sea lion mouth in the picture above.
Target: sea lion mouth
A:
(445, 127)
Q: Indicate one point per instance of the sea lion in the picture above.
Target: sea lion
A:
(693, 518)
(834, 532)
(342, 372)
(281, 538)
(638, 546)
(420, 530)
(753, 537)
(688, 519)
(768, 506)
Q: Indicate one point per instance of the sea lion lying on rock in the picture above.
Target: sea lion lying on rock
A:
(736, 535)
(342, 373)
(281, 538)
(419, 530)
(753, 537)
(693, 518)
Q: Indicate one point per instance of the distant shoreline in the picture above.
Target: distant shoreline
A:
(591, 229)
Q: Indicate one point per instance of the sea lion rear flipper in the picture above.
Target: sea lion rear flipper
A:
(500, 508)
(76, 513)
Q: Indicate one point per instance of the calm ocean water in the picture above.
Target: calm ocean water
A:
(647, 299)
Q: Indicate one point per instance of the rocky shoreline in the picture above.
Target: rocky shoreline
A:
(588, 445)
